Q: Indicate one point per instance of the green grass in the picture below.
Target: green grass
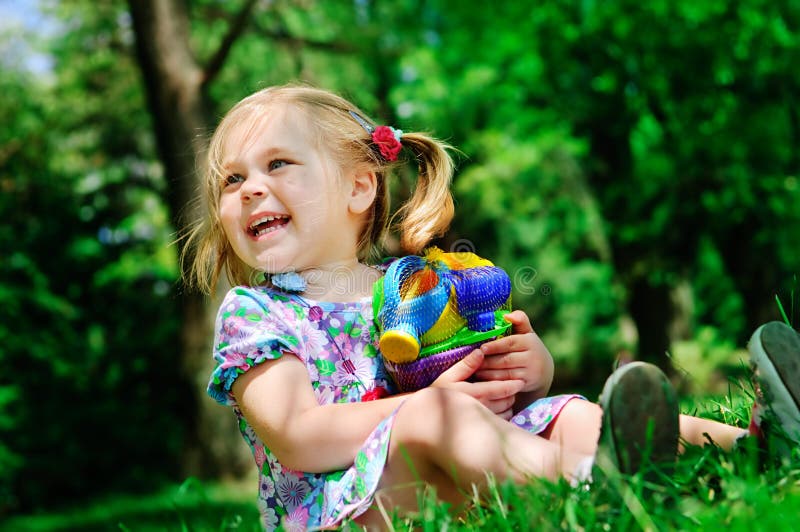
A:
(190, 506)
(708, 489)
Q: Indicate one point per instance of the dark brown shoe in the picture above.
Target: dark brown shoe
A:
(640, 420)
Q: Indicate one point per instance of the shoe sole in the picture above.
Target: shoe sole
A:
(775, 357)
(640, 418)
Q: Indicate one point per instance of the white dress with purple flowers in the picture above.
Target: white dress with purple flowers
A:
(337, 343)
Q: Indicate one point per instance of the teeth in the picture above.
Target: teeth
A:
(265, 219)
(264, 231)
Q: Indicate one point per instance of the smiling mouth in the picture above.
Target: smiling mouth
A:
(267, 224)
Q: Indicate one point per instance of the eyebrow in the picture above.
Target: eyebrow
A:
(268, 153)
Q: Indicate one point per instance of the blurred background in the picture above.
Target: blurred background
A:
(633, 165)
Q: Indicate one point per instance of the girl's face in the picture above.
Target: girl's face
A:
(283, 204)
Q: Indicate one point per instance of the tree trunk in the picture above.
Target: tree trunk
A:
(174, 84)
(652, 310)
(650, 306)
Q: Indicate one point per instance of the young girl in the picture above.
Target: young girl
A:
(297, 200)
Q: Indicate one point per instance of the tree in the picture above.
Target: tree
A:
(178, 88)
(177, 94)
(86, 322)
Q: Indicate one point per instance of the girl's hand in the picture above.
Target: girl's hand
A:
(520, 356)
(497, 395)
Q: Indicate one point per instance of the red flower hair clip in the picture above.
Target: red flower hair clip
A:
(386, 138)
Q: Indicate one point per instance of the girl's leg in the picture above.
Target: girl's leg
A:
(699, 431)
(775, 358)
(450, 441)
(577, 428)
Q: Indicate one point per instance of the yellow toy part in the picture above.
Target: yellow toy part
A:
(400, 346)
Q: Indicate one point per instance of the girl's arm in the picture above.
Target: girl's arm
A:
(278, 402)
(521, 355)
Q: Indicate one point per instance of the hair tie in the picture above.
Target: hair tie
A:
(386, 138)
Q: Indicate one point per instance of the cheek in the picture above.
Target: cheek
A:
(315, 220)
(229, 220)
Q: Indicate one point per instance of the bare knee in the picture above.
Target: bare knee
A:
(430, 415)
(577, 426)
(421, 446)
(437, 429)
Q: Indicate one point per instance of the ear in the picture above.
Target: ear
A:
(362, 195)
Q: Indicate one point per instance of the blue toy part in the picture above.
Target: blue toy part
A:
(405, 320)
(479, 291)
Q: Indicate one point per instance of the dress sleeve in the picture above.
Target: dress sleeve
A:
(250, 328)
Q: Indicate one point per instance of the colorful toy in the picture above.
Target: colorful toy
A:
(433, 310)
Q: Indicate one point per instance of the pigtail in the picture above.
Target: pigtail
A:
(429, 211)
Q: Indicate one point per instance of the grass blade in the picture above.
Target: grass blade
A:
(783, 313)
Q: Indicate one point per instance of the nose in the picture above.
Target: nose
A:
(253, 187)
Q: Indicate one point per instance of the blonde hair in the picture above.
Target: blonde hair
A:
(426, 215)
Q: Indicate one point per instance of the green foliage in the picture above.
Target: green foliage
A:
(88, 397)
(683, 140)
(707, 361)
(552, 246)
(604, 147)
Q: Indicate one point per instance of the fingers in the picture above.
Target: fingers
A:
(502, 407)
(504, 360)
(463, 369)
(506, 414)
(522, 336)
(486, 391)
(502, 374)
(497, 395)
(512, 342)
(498, 399)
(519, 341)
(520, 324)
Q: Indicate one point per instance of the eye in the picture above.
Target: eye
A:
(232, 179)
(277, 163)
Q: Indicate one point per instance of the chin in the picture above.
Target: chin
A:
(276, 263)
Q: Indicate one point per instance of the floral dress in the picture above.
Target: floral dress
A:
(337, 343)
